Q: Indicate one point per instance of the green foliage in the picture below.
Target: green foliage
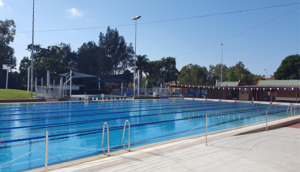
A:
(7, 33)
(193, 74)
(56, 58)
(7, 58)
(256, 78)
(239, 73)
(14, 94)
(114, 46)
(92, 61)
(214, 73)
(289, 68)
(142, 65)
(162, 71)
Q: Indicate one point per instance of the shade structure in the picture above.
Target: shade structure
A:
(78, 75)
(108, 80)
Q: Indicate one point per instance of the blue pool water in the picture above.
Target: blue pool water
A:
(75, 128)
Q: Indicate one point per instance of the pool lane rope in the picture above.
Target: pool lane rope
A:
(103, 119)
(83, 110)
(132, 125)
(95, 106)
(106, 113)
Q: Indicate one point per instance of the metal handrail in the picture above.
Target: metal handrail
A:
(288, 109)
(128, 135)
(103, 130)
(46, 150)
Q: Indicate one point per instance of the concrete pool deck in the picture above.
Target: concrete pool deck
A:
(233, 150)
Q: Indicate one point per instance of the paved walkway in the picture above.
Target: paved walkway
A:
(275, 151)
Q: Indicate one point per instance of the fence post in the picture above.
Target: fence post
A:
(206, 130)
(46, 151)
(267, 120)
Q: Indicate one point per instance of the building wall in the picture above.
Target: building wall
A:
(244, 95)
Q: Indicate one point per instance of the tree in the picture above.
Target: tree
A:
(163, 70)
(56, 58)
(68, 57)
(23, 68)
(142, 65)
(289, 68)
(193, 74)
(7, 33)
(92, 60)
(256, 78)
(7, 58)
(214, 73)
(240, 73)
(114, 46)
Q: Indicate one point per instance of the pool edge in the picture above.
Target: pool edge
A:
(216, 135)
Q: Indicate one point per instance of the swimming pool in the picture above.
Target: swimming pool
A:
(75, 128)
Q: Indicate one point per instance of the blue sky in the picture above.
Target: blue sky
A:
(261, 48)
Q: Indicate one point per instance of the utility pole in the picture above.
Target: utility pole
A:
(32, 53)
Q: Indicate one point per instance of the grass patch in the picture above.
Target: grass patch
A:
(14, 94)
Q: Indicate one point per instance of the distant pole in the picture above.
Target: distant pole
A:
(206, 129)
(266, 120)
(138, 83)
(6, 77)
(35, 86)
(70, 83)
(267, 73)
(99, 85)
(221, 62)
(28, 79)
(135, 18)
(32, 53)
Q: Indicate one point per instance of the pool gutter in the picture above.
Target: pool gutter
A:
(92, 163)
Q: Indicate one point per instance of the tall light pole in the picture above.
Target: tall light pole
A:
(7, 69)
(135, 18)
(267, 73)
(28, 78)
(221, 63)
(32, 53)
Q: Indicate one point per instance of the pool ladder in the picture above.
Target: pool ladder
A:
(128, 135)
(103, 130)
(105, 126)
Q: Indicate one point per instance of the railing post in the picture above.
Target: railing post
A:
(267, 120)
(128, 135)
(46, 152)
(103, 130)
(206, 130)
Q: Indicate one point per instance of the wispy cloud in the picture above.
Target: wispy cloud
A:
(1, 3)
(73, 13)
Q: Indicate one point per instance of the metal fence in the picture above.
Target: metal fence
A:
(46, 92)
(161, 92)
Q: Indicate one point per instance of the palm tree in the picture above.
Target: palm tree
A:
(142, 64)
